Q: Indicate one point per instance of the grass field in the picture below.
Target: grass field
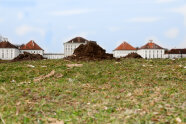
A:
(130, 91)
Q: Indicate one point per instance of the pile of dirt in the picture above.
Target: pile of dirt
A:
(133, 55)
(28, 56)
(90, 51)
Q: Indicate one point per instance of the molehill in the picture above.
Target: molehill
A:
(28, 56)
(133, 55)
(90, 51)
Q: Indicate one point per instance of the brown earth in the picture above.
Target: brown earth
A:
(4, 61)
(90, 51)
(28, 56)
(1, 61)
(133, 55)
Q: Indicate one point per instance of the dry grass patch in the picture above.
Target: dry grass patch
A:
(129, 91)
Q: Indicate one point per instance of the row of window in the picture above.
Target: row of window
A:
(6, 50)
(146, 51)
(176, 56)
(70, 47)
(53, 57)
(153, 51)
(34, 52)
(153, 56)
(11, 51)
(6, 55)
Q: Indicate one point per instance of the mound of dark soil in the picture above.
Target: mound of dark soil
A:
(90, 51)
(133, 55)
(28, 56)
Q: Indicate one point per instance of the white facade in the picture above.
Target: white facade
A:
(145, 53)
(122, 53)
(151, 53)
(8, 53)
(41, 52)
(173, 56)
(70, 47)
(148, 51)
(53, 56)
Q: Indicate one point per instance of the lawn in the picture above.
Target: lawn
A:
(130, 91)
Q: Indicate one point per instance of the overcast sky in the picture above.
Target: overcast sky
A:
(109, 22)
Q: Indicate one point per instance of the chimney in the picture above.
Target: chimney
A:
(32, 43)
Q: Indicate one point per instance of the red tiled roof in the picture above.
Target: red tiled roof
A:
(125, 46)
(31, 46)
(6, 44)
(176, 51)
(151, 45)
(78, 40)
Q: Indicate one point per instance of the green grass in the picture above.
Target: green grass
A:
(130, 91)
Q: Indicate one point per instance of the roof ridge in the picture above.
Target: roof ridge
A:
(125, 46)
(151, 45)
(6, 44)
(31, 45)
(77, 40)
